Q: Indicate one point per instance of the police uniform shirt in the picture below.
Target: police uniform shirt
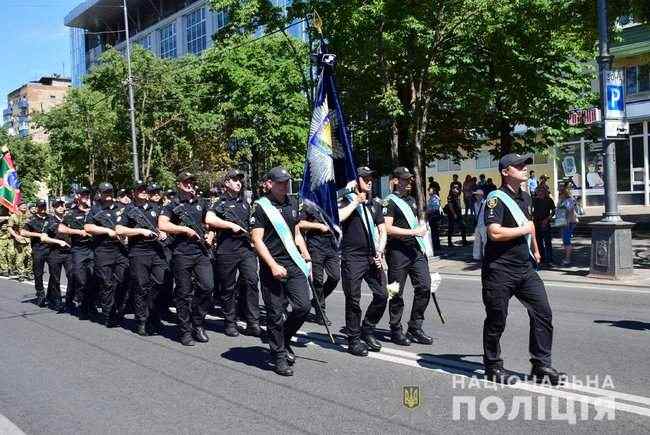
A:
(53, 232)
(289, 210)
(139, 245)
(37, 224)
(195, 208)
(76, 219)
(107, 216)
(355, 234)
(316, 239)
(511, 254)
(236, 210)
(399, 220)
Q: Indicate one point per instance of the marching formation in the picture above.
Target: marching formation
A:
(154, 250)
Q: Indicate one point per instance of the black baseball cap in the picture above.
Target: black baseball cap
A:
(59, 200)
(83, 190)
(153, 188)
(170, 193)
(513, 159)
(402, 172)
(234, 174)
(41, 203)
(105, 187)
(184, 176)
(139, 184)
(122, 192)
(364, 171)
(279, 174)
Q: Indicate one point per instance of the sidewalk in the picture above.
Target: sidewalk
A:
(459, 261)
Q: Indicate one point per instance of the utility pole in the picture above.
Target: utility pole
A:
(129, 80)
(611, 238)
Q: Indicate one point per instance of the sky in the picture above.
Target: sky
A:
(33, 41)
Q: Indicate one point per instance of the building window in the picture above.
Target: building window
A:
(168, 41)
(486, 161)
(220, 20)
(637, 79)
(196, 31)
(447, 165)
(145, 42)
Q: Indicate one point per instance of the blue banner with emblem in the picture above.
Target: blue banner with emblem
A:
(329, 163)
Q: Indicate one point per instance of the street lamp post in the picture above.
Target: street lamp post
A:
(611, 238)
(134, 138)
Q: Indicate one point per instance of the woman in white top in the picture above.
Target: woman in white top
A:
(568, 203)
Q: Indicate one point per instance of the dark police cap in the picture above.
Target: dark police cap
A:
(514, 160)
(139, 184)
(83, 190)
(122, 193)
(185, 176)
(279, 174)
(233, 174)
(105, 187)
(59, 200)
(41, 203)
(402, 172)
(170, 193)
(153, 188)
(364, 171)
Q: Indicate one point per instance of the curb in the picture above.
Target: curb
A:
(585, 280)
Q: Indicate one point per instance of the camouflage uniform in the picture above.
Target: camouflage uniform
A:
(6, 248)
(23, 252)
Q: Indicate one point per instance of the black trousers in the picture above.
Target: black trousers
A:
(498, 287)
(55, 261)
(193, 292)
(544, 238)
(39, 259)
(83, 269)
(356, 269)
(402, 263)
(453, 224)
(148, 276)
(324, 262)
(111, 271)
(237, 273)
(434, 224)
(166, 296)
(281, 326)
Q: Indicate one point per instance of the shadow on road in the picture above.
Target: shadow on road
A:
(255, 356)
(634, 325)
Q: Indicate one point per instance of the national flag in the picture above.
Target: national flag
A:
(329, 164)
(9, 183)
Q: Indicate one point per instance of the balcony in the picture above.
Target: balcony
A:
(7, 114)
(23, 105)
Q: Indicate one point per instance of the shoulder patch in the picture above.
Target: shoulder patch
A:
(384, 202)
(492, 202)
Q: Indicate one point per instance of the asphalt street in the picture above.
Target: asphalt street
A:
(61, 375)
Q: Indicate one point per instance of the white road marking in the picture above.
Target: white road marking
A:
(7, 427)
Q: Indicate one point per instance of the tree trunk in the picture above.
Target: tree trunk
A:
(394, 144)
(505, 141)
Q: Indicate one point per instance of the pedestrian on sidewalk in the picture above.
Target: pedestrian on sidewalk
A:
(567, 207)
(454, 216)
(434, 216)
(543, 211)
(468, 189)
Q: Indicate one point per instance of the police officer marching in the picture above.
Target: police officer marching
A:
(406, 257)
(508, 271)
(146, 258)
(36, 229)
(111, 260)
(60, 257)
(284, 268)
(362, 249)
(191, 258)
(235, 256)
(82, 254)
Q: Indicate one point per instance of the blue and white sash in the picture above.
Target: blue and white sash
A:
(281, 227)
(425, 244)
(515, 211)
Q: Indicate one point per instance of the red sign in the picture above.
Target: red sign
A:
(584, 116)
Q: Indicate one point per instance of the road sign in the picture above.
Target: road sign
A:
(615, 95)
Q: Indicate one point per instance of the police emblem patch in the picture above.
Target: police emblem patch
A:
(491, 203)
(411, 396)
(153, 213)
(198, 207)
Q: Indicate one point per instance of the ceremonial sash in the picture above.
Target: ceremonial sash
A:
(367, 220)
(412, 221)
(281, 227)
(515, 211)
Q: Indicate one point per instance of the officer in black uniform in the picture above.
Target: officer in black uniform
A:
(35, 228)
(508, 271)
(60, 257)
(406, 259)
(190, 259)
(362, 258)
(325, 257)
(166, 295)
(283, 282)
(111, 256)
(82, 254)
(230, 216)
(146, 257)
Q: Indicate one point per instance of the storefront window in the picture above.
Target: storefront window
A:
(644, 78)
(636, 129)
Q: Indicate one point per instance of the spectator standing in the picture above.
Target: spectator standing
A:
(532, 183)
(433, 185)
(489, 187)
(455, 183)
(454, 215)
(567, 204)
(434, 216)
(543, 211)
(468, 190)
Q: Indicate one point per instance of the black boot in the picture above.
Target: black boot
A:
(547, 374)
(418, 336)
(231, 330)
(497, 374)
(282, 367)
(369, 338)
(357, 348)
(141, 328)
(186, 340)
(291, 356)
(253, 330)
(40, 300)
(398, 337)
(199, 335)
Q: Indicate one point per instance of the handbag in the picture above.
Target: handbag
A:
(560, 219)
